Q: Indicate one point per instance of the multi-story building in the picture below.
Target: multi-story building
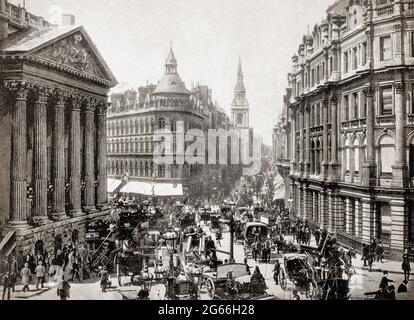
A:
(132, 122)
(54, 86)
(348, 124)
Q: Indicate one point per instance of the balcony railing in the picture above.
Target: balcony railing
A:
(385, 10)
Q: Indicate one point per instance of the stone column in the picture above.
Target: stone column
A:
(314, 207)
(334, 165)
(348, 216)
(18, 190)
(89, 155)
(400, 170)
(40, 155)
(399, 227)
(301, 151)
(59, 157)
(358, 216)
(338, 213)
(368, 220)
(325, 160)
(370, 166)
(293, 144)
(331, 222)
(101, 197)
(74, 156)
(307, 141)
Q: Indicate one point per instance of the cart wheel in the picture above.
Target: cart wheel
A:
(211, 290)
(282, 280)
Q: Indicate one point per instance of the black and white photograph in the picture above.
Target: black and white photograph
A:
(222, 151)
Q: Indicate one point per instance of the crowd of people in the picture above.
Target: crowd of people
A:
(35, 268)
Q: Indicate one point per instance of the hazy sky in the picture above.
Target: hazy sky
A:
(207, 35)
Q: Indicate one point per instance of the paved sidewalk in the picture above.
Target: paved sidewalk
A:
(390, 266)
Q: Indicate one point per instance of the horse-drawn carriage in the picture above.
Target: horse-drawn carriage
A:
(300, 271)
(297, 270)
(256, 240)
(231, 281)
(215, 221)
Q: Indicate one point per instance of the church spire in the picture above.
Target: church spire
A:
(240, 105)
(240, 90)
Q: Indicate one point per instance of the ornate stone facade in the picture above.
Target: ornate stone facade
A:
(48, 123)
(347, 124)
(136, 115)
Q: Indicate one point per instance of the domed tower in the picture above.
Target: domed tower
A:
(240, 105)
(171, 83)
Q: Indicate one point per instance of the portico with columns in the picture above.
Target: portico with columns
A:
(56, 102)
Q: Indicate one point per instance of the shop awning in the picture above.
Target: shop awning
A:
(112, 184)
(146, 188)
(280, 194)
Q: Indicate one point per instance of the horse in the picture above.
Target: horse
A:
(266, 251)
(257, 248)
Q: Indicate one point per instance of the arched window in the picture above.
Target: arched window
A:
(141, 126)
(140, 169)
(386, 154)
(356, 156)
(313, 157)
(117, 128)
(146, 125)
(347, 156)
(126, 146)
(122, 127)
(318, 158)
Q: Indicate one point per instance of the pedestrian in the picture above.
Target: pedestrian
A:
(295, 295)
(385, 281)
(379, 252)
(63, 288)
(26, 274)
(406, 265)
(370, 259)
(75, 269)
(247, 267)
(40, 274)
(7, 285)
(276, 272)
(402, 288)
(365, 252)
(14, 272)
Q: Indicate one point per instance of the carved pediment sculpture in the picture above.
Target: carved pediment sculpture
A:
(73, 51)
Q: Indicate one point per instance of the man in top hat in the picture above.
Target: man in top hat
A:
(385, 281)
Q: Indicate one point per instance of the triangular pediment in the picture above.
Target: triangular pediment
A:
(76, 51)
(67, 47)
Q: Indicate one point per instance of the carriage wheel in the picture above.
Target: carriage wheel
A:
(211, 289)
(282, 280)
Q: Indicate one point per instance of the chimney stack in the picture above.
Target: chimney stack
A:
(68, 19)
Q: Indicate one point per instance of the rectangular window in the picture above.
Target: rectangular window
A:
(386, 100)
(355, 57)
(412, 44)
(385, 48)
(412, 100)
(346, 62)
(318, 73)
(346, 108)
(330, 65)
(363, 111)
(364, 53)
(356, 105)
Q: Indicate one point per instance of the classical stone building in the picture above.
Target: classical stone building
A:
(347, 125)
(54, 86)
(134, 118)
